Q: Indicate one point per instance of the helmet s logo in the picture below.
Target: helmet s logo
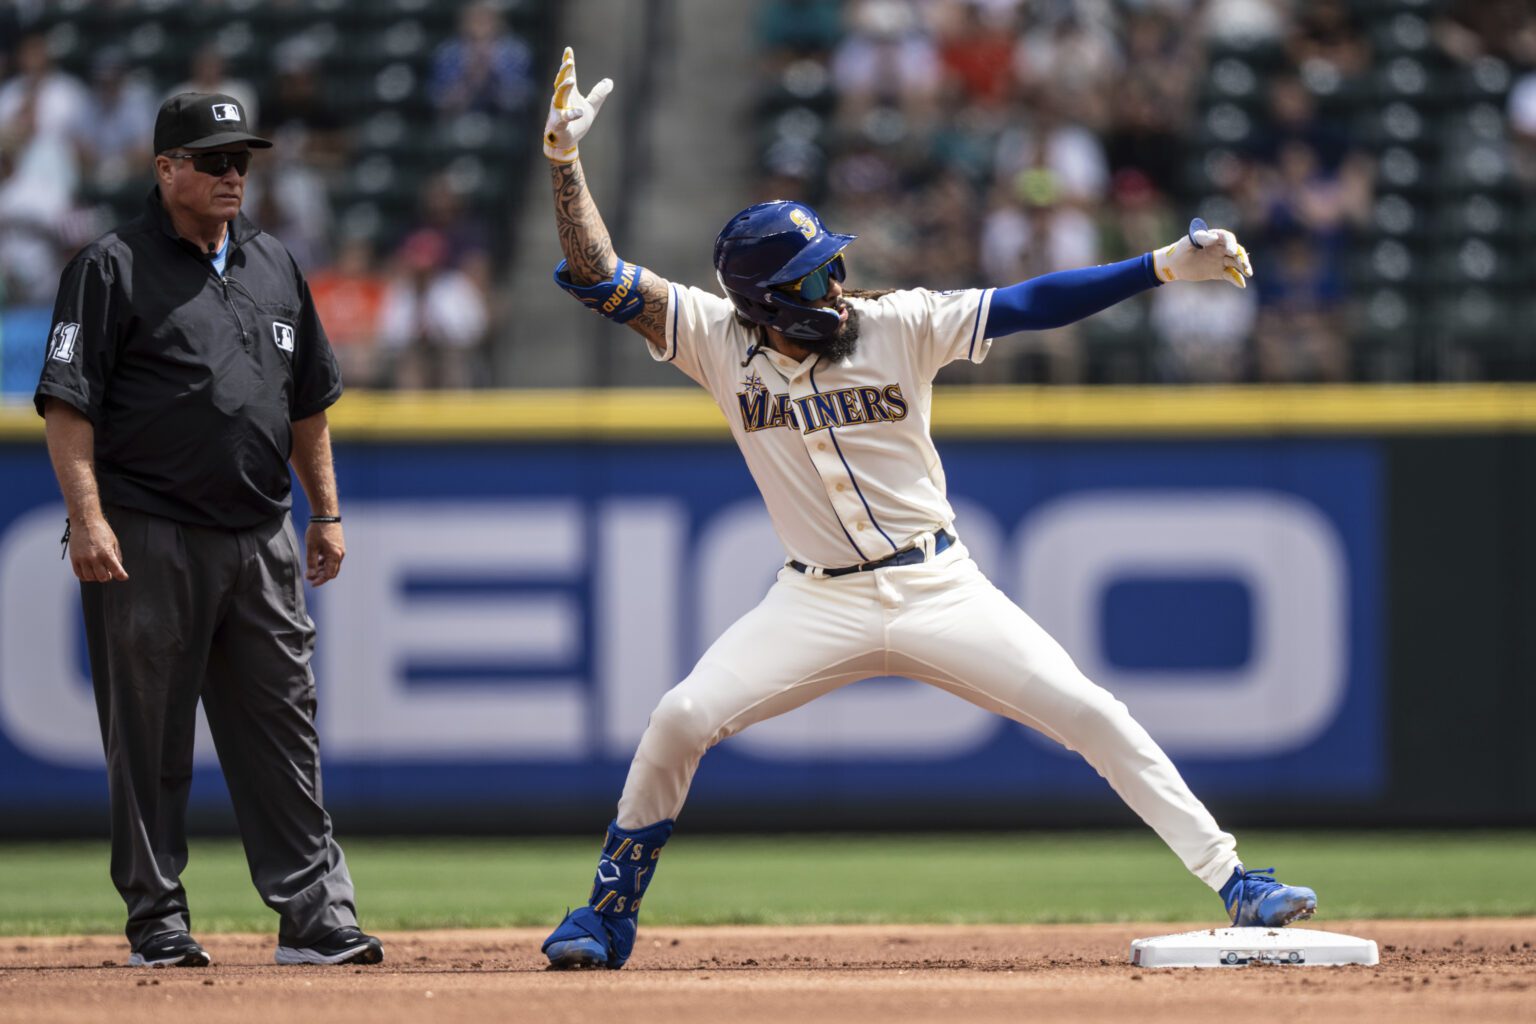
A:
(803, 222)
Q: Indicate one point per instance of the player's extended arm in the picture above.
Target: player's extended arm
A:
(324, 544)
(94, 553)
(626, 293)
(1055, 300)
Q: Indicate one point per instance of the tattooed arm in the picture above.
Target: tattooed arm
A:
(589, 253)
(589, 257)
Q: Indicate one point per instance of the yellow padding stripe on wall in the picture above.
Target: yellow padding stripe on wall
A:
(650, 414)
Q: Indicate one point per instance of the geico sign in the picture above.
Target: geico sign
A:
(545, 630)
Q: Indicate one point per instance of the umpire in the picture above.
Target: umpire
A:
(185, 370)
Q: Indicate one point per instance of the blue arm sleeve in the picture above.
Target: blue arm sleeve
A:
(1055, 300)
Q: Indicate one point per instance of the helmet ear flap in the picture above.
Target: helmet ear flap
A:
(764, 314)
(758, 312)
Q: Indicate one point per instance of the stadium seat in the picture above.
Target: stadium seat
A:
(1123, 345)
(1476, 214)
(1479, 335)
(375, 57)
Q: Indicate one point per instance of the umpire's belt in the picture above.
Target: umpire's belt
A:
(908, 556)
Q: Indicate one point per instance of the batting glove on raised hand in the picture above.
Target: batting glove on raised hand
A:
(1205, 254)
(571, 113)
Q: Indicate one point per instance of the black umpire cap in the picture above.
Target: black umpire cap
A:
(199, 120)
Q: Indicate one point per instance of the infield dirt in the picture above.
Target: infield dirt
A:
(1464, 970)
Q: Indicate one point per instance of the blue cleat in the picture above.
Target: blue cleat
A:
(1255, 899)
(602, 934)
(584, 938)
(576, 954)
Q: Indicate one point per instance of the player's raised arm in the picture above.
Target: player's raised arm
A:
(1066, 296)
(625, 293)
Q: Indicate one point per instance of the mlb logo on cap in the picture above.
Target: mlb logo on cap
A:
(202, 120)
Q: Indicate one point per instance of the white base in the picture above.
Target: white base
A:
(1236, 947)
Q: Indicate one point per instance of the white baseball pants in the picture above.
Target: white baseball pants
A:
(940, 622)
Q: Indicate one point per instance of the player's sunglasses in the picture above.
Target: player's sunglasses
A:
(216, 163)
(816, 284)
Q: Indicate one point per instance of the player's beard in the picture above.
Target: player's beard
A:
(841, 345)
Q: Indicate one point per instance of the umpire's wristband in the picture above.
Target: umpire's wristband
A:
(325, 519)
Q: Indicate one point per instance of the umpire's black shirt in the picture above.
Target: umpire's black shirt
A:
(191, 380)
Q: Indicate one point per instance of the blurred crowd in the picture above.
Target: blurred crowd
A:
(981, 142)
(1377, 157)
(407, 299)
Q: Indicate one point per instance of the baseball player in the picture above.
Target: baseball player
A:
(827, 393)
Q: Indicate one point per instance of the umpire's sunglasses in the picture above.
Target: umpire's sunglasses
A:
(815, 285)
(216, 163)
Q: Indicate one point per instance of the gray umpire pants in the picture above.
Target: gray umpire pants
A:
(216, 614)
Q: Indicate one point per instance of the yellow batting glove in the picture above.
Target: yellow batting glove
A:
(1204, 254)
(571, 113)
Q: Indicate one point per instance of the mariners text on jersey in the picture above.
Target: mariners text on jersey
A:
(761, 408)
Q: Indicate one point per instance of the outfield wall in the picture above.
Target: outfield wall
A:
(1318, 600)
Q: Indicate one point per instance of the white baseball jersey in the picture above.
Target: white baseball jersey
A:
(841, 453)
(844, 460)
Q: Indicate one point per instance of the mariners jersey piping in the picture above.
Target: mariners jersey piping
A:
(676, 306)
(832, 432)
(976, 326)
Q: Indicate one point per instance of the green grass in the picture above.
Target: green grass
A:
(62, 888)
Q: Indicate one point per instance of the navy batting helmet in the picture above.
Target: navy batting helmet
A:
(767, 247)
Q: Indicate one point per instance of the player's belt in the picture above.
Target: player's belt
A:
(909, 556)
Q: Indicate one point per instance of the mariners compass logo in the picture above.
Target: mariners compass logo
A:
(754, 384)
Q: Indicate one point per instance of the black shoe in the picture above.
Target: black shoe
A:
(170, 949)
(343, 946)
